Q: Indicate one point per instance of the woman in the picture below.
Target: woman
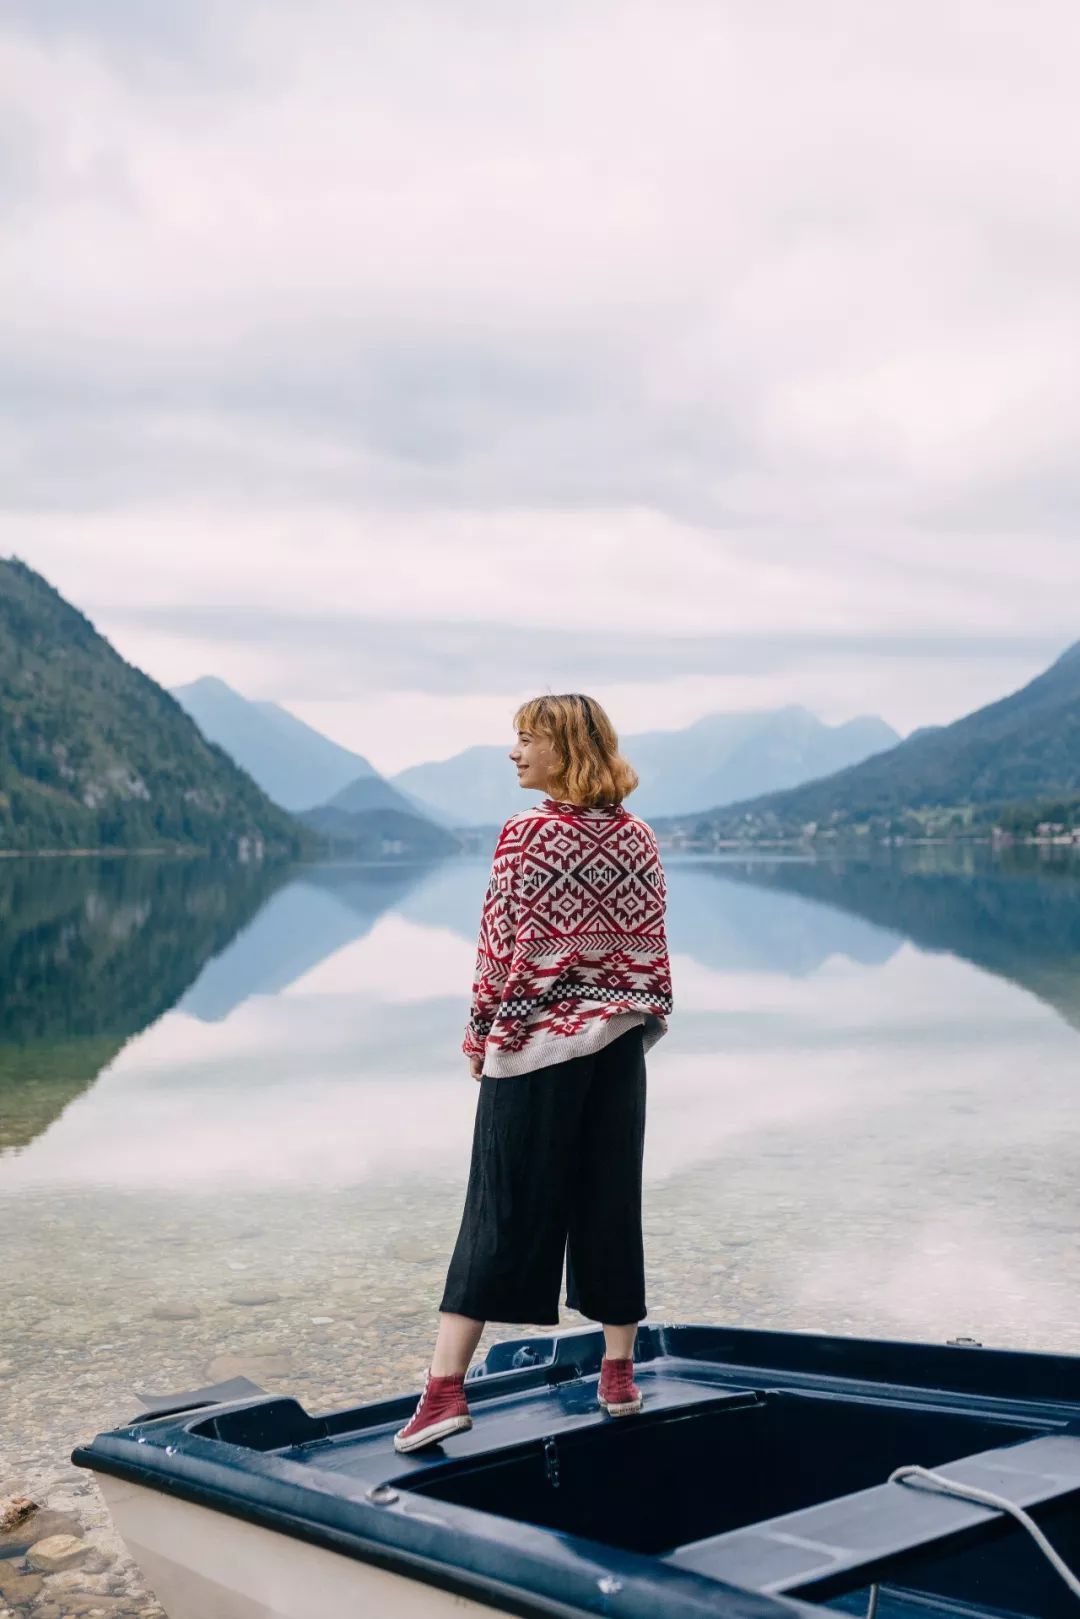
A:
(572, 987)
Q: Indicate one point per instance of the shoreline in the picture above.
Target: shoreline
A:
(846, 845)
(51, 854)
(184, 853)
(853, 843)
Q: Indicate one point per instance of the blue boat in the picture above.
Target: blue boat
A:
(769, 1474)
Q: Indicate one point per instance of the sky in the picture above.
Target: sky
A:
(397, 363)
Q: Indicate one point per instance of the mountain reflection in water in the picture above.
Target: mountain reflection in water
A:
(95, 952)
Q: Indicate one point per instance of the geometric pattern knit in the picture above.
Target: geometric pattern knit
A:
(572, 948)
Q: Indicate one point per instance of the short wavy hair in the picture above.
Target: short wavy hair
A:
(590, 768)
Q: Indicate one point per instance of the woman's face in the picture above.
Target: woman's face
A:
(534, 758)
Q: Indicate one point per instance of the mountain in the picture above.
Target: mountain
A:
(293, 763)
(715, 760)
(727, 756)
(1024, 747)
(369, 793)
(95, 754)
(371, 834)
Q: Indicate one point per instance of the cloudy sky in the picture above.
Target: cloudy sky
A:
(397, 362)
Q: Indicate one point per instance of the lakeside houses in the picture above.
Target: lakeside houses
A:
(768, 833)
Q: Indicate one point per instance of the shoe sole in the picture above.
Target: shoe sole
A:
(431, 1435)
(625, 1409)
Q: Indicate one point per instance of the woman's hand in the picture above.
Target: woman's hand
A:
(475, 1065)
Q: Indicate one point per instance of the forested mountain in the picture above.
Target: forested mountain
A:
(1021, 751)
(94, 754)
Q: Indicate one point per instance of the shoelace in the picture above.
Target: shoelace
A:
(423, 1395)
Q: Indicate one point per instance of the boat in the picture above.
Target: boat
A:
(769, 1474)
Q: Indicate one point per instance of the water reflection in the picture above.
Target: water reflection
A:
(91, 953)
(1015, 914)
(304, 1027)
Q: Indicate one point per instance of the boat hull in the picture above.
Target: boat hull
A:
(205, 1564)
(761, 1480)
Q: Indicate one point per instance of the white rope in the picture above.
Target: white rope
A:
(968, 1492)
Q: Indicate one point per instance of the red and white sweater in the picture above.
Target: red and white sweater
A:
(572, 948)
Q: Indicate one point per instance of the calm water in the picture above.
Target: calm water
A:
(221, 1086)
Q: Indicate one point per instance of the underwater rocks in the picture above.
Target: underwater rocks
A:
(57, 1552)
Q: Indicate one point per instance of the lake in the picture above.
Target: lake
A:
(235, 1121)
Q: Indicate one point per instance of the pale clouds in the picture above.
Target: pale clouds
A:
(680, 320)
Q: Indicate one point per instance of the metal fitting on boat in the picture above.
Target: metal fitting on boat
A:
(381, 1494)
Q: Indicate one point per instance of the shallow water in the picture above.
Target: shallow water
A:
(237, 1124)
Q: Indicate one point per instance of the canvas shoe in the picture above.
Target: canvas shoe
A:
(617, 1392)
(442, 1410)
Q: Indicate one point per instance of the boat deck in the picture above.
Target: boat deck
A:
(758, 1466)
(506, 1420)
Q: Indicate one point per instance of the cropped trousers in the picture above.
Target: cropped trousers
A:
(556, 1171)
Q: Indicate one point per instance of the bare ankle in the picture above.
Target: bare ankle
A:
(619, 1342)
(455, 1344)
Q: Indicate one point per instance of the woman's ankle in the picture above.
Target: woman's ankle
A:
(619, 1342)
(455, 1345)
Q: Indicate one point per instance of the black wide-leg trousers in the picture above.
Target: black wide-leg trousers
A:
(556, 1170)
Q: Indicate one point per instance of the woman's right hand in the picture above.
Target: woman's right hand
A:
(475, 1066)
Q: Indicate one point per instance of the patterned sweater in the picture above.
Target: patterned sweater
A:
(572, 948)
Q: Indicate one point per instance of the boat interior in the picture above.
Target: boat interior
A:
(760, 1460)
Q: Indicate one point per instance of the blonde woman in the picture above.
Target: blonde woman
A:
(572, 987)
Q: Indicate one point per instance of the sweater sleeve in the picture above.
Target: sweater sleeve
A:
(495, 945)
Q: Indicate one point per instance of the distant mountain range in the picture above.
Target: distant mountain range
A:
(295, 764)
(717, 758)
(94, 754)
(999, 764)
(334, 792)
(714, 760)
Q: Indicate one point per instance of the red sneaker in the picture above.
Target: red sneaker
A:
(617, 1393)
(442, 1410)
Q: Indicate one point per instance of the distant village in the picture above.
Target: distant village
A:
(757, 833)
(1045, 832)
